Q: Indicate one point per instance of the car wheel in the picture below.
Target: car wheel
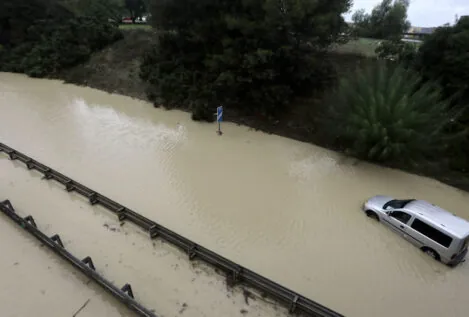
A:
(372, 215)
(432, 253)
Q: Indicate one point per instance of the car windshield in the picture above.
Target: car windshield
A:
(397, 203)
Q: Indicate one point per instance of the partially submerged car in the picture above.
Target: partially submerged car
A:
(437, 232)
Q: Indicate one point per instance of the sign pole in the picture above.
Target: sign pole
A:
(219, 119)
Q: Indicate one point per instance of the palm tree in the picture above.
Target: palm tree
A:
(385, 113)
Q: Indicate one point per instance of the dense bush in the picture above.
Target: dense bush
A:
(43, 43)
(252, 55)
(398, 51)
(18, 15)
(444, 57)
(386, 114)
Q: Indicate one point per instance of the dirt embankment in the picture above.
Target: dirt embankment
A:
(116, 68)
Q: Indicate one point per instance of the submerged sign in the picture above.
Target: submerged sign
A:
(219, 118)
(220, 114)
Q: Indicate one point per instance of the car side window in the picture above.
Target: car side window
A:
(401, 216)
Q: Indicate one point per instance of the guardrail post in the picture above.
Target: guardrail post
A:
(30, 220)
(128, 289)
(8, 205)
(56, 239)
(93, 198)
(12, 155)
(88, 261)
(29, 164)
(236, 274)
(69, 186)
(233, 276)
(121, 215)
(293, 304)
(47, 174)
(192, 252)
(153, 232)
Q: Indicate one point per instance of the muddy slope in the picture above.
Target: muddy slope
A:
(116, 68)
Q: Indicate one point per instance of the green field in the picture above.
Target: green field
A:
(361, 46)
(135, 26)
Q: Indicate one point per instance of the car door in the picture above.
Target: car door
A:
(397, 220)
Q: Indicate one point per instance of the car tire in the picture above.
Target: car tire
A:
(432, 253)
(372, 214)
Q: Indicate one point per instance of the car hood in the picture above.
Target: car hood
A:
(377, 202)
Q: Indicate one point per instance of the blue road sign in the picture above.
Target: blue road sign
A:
(220, 114)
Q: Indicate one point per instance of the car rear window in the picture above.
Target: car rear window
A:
(432, 233)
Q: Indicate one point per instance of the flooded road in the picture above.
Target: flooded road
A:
(285, 209)
(35, 283)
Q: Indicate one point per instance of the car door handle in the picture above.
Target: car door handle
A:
(402, 227)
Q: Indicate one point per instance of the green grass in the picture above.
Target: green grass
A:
(134, 26)
(361, 46)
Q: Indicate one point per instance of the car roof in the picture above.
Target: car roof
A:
(440, 218)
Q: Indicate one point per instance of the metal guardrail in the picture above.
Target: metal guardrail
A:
(235, 273)
(86, 266)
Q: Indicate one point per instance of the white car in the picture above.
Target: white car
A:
(437, 232)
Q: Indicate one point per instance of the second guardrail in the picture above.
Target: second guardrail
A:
(86, 266)
(235, 272)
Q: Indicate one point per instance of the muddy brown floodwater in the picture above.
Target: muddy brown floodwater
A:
(285, 209)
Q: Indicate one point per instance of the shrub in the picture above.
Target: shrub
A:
(386, 114)
(43, 37)
(398, 51)
(444, 57)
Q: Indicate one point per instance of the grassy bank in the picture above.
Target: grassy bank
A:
(135, 27)
(116, 70)
(361, 46)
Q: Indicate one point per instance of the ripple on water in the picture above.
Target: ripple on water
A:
(288, 210)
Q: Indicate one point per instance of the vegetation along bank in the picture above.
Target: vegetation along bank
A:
(295, 69)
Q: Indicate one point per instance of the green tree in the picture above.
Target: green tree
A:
(254, 55)
(444, 57)
(16, 17)
(386, 114)
(43, 37)
(361, 23)
(388, 20)
(395, 21)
